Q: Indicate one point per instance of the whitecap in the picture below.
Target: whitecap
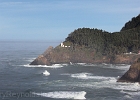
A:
(90, 76)
(81, 75)
(86, 64)
(64, 94)
(81, 63)
(46, 73)
(53, 66)
(122, 67)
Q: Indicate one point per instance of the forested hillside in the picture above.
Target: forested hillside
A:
(105, 43)
(133, 23)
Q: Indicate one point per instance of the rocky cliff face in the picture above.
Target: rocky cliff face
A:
(133, 74)
(67, 55)
(79, 55)
(43, 59)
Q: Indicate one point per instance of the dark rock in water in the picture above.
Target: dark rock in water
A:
(133, 74)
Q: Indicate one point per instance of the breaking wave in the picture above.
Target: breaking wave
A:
(90, 76)
(123, 67)
(64, 94)
(53, 66)
(46, 73)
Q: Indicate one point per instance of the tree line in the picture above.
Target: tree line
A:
(106, 43)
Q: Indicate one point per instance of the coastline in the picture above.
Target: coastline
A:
(60, 55)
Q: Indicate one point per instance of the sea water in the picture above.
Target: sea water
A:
(75, 81)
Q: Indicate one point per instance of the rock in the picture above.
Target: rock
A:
(59, 55)
(43, 59)
(133, 74)
(40, 60)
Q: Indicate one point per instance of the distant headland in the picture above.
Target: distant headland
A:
(85, 45)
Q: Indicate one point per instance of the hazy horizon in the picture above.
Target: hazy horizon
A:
(53, 20)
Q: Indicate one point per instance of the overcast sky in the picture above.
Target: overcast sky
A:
(53, 20)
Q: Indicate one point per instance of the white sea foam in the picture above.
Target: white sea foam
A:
(53, 66)
(64, 94)
(122, 67)
(90, 76)
(81, 63)
(81, 75)
(46, 73)
(86, 64)
(130, 90)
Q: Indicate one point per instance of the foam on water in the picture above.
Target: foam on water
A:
(46, 73)
(130, 90)
(81, 75)
(64, 94)
(86, 64)
(53, 66)
(104, 65)
(90, 76)
(118, 66)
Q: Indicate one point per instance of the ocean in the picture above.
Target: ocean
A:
(75, 81)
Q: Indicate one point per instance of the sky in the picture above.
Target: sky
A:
(53, 20)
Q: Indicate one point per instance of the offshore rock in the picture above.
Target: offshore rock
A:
(133, 74)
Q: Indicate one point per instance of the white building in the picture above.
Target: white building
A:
(62, 45)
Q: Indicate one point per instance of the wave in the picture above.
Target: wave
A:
(86, 64)
(53, 66)
(90, 76)
(123, 67)
(81, 75)
(46, 73)
(64, 94)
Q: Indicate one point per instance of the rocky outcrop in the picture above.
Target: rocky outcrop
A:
(133, 74)
(79, 55)
(43, 59)
(67, 55)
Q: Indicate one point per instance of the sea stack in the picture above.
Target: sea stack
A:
(133, 74)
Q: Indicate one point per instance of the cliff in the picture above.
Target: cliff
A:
(86, 45)
(133, 74)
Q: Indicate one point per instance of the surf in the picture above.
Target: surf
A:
(63, 95)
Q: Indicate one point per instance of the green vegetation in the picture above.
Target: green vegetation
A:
(135, 22)
(108, 44)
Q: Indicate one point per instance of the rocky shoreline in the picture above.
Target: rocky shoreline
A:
(65, 55)
(97, 46)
